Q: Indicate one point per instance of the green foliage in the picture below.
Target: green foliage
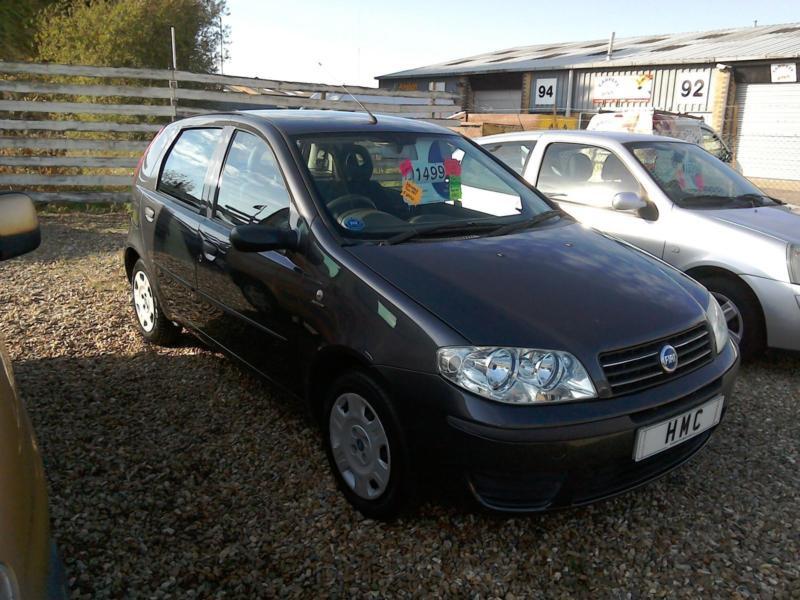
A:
(132, 33)
(18, 28)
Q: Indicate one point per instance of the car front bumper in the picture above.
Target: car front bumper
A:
(781, 304)
(533, 458)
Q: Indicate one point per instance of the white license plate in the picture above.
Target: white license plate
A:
(662, 436)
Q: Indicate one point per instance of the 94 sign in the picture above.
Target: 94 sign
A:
(544, 91)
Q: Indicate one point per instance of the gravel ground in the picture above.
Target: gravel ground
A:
(173, 473)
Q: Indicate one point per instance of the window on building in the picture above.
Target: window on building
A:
(187, 163)
(436, 86)
(251, 189)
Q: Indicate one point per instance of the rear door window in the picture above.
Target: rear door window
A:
(185, 168)
(252, 188)
(514, 154)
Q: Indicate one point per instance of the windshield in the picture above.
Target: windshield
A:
(377, 186)
(693, 178)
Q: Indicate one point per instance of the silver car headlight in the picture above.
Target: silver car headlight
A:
(716, 318)
(516, 375)
(793, 258)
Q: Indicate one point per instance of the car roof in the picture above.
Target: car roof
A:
(298, 122)
(617, 136)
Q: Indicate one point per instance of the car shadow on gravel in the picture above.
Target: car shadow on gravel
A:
(184, 470)
(78, 236)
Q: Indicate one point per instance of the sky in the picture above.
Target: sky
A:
(355, 40)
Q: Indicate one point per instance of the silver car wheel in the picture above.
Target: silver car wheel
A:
(143, 301)
(732, 316)
(360, 446)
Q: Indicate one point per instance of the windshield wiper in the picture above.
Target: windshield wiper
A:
(404, 236)
(532, 222)
(753, 197)
(752, 200)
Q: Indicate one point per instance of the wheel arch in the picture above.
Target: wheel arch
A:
(705, 271)
(131, 256)
(327, 365)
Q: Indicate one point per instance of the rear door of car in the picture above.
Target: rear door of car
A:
(171, 216)
(253, 303)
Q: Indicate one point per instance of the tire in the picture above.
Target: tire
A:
(154, 327)
(743, 313)
(366, 447)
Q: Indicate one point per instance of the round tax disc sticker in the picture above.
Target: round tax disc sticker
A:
(354, 224)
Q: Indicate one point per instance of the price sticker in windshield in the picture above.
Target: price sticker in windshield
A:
(427, 172)
(411, 192)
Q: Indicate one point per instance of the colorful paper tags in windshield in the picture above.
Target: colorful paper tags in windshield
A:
(426, 182)
(411, 192)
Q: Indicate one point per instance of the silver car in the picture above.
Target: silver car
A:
(679, 203)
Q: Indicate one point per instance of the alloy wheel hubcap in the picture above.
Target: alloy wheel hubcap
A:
(732, 316)
(360, 446)
(143, 301)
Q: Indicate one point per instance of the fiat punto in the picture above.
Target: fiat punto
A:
(434, 310)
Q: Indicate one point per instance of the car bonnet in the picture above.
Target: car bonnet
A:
(558, 287)
(779, 222)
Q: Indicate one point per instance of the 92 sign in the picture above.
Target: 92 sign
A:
(691, 88)
(544, 91)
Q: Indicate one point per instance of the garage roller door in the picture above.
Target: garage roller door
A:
(489, 101)
(769, 130)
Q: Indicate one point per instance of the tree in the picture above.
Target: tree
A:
(18, 28)
(132, 33)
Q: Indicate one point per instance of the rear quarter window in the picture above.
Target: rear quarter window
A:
(186, 164)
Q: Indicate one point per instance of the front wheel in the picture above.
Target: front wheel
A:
(153, 325)
(742, 312)
(366, 447)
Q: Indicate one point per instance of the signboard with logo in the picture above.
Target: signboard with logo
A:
(783, 72)
(608, 88)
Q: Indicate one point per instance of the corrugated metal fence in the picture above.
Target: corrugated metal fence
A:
(74, 133)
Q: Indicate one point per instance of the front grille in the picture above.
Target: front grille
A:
(637, 368)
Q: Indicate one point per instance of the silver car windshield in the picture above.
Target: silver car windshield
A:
(381, 185)
(693, 178)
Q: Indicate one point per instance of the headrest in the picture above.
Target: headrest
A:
(613, 169)
(579, 167)
(357, 164)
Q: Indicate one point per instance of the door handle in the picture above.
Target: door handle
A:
(210, 251)
(149, 214)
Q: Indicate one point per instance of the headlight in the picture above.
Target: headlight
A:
(719, 325)
(516, 375)
(793, 258)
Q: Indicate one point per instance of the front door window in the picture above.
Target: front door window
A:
(584, 174)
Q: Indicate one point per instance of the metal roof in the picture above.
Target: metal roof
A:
(778, 42)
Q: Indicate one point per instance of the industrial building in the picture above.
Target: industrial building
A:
(742, 81)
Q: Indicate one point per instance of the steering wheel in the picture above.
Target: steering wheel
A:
(349, 202)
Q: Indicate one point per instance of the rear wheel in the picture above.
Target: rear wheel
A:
(153, 325)
(742, 312)
(366, 447)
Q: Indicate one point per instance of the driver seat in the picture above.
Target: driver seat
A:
(357, 168)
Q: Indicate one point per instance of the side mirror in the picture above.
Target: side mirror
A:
(257, 238)
(628, 201)
(19, 227)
